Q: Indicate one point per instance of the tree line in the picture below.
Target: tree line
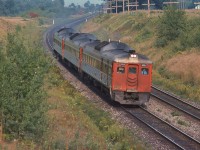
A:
(15, 7)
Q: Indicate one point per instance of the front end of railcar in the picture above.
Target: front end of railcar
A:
(132, 79)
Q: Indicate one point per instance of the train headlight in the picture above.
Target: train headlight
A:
(133, 55)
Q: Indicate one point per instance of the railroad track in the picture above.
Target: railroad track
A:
(176, 102)
(174, 135)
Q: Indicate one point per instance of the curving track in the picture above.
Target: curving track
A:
(176, 102)
(72, 24)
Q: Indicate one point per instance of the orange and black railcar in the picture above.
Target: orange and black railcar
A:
(116, 67)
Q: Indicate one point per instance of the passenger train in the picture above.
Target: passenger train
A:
(124, 74)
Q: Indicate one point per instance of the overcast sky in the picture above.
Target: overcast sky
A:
(81, 2)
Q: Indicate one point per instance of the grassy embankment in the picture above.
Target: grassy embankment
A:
(68, 119)
(176, 62)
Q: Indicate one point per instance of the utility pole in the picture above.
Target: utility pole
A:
(170, 3)
(109, 6)
(136, 4)
(148, 5)
(148, 8)
(128, 6)
(116, 6)
(133, 4)
(123, 6)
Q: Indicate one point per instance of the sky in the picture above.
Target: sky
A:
(81, 2)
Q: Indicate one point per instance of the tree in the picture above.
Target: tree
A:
(72, 5)
(87, 4)
(22, 98)
(171, 25)
(62, 2)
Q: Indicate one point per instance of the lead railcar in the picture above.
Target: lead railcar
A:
(116, 67)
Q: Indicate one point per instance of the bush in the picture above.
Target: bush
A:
(143, 35)
(41, 21)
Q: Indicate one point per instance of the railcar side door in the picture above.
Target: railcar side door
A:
(132, 77)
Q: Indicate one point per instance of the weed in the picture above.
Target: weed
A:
(159, 110)
(59, 144)
(167, 120)
(175, 113)
(83, 143)
(181, 122)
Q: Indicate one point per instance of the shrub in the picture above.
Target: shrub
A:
(160, 42)
(175, 113)
(171, 25)
(143, 35)
(41, 21)
(181, 122)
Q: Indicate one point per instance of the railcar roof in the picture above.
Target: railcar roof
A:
(116, 51)
(66, 31)
(116, 45)
(82, 42)
(113, 50)
(79, 36)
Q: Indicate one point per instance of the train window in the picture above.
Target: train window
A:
(98, 65)
(91, 61)
(104, 68)
(95, 64)
(120, 69)
(145, 71)
(132, 70)
(109, 70)
(87, 59)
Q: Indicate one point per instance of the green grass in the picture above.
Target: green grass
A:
(91, 127)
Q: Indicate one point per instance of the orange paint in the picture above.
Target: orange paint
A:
(124, 80)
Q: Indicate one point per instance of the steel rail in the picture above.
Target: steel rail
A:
(176, 102)
(169, 132)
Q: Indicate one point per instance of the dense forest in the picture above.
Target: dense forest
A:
(15, 7)
(48, 8)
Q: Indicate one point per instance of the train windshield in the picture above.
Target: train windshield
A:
(132, 70)
(145, 71)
